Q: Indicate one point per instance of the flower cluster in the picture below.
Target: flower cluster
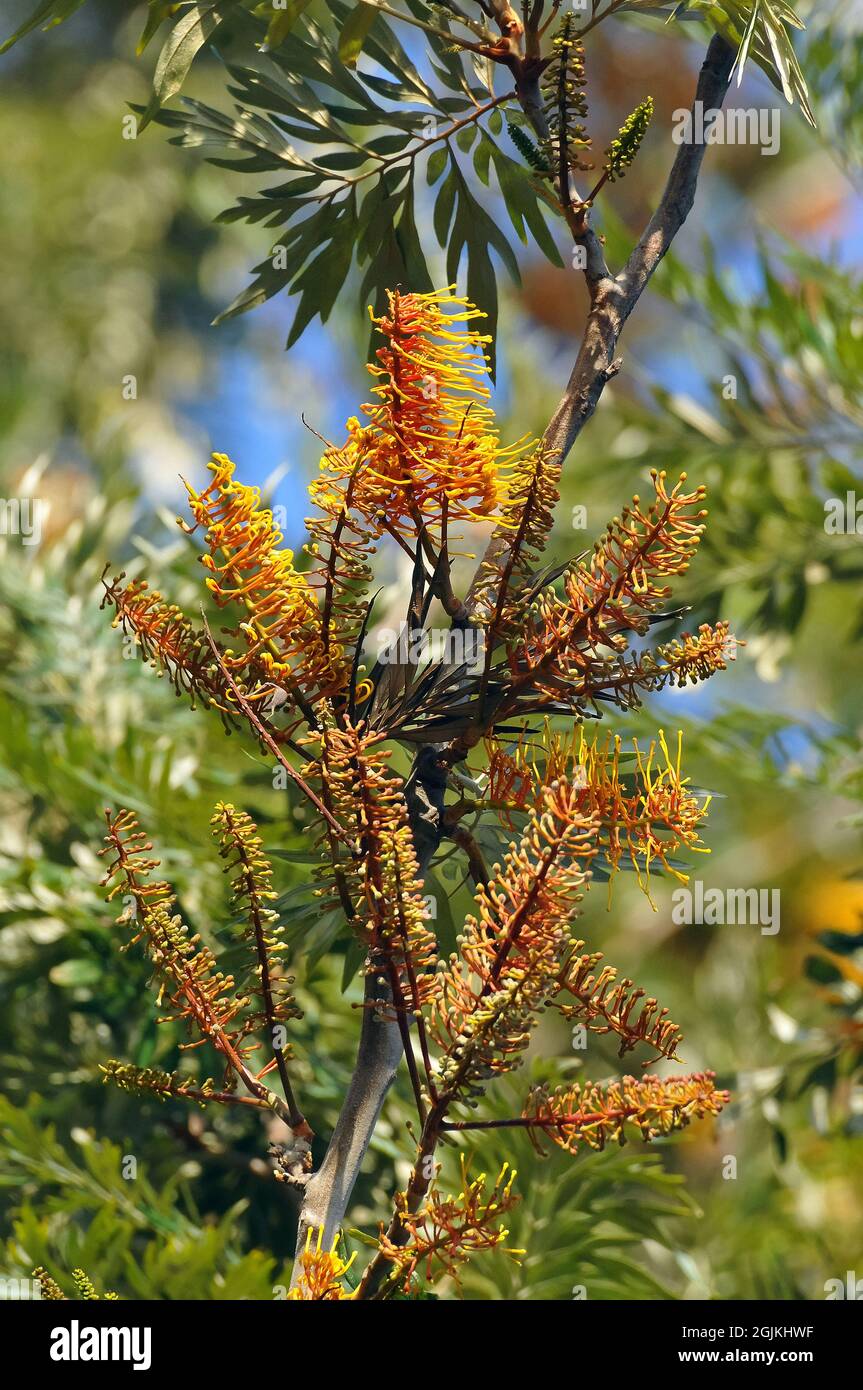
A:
(557, 658)
(321, 1271)
(526, 518)
(447, 1229)
(163, 1085)
(428, 450)
(340, 548)
(645, 811)
(563, 84)
(605, 1004)
(188, 978)
(82, 1281)
(251, 895)
(611, 596)
(597, 1115)
(626, 144)
(511, 952)
(555, 641)
(167, 639)
(249, 567)
(378, 881)
(186, 972)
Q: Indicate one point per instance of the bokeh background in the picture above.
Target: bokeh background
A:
(112, 267)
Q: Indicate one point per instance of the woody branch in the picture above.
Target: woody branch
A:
(613, 298)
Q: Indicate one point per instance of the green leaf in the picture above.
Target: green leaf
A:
(465, 137)
(444, 207)
(354, 33)
(437, 162)
(186, 40)
(443, 923)
(481, 157)
(282, 23)
(523, 205)
(49, 13)
(354, 957)
(757, 30)
(158, 11)
(362, 1237)
(71, 974)
(321, 281)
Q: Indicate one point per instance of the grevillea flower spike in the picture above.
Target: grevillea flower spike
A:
(551, 649)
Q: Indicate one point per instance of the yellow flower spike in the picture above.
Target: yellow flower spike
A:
(591, 1114)
(649, 822)
(429, 444)
(446, 1231)
(250, 567)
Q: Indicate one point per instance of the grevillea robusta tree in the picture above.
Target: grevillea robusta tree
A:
(498, 723)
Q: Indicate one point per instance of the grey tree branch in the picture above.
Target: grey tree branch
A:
(613, 298)
(328, 1191)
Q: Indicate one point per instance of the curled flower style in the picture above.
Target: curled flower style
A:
(605, 1004)
(596, 1115)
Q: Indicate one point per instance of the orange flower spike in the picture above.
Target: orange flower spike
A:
(611, 596)
(431, 437)
(595, 1115)
(167, 639)
(188, 978)
(511, 951)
